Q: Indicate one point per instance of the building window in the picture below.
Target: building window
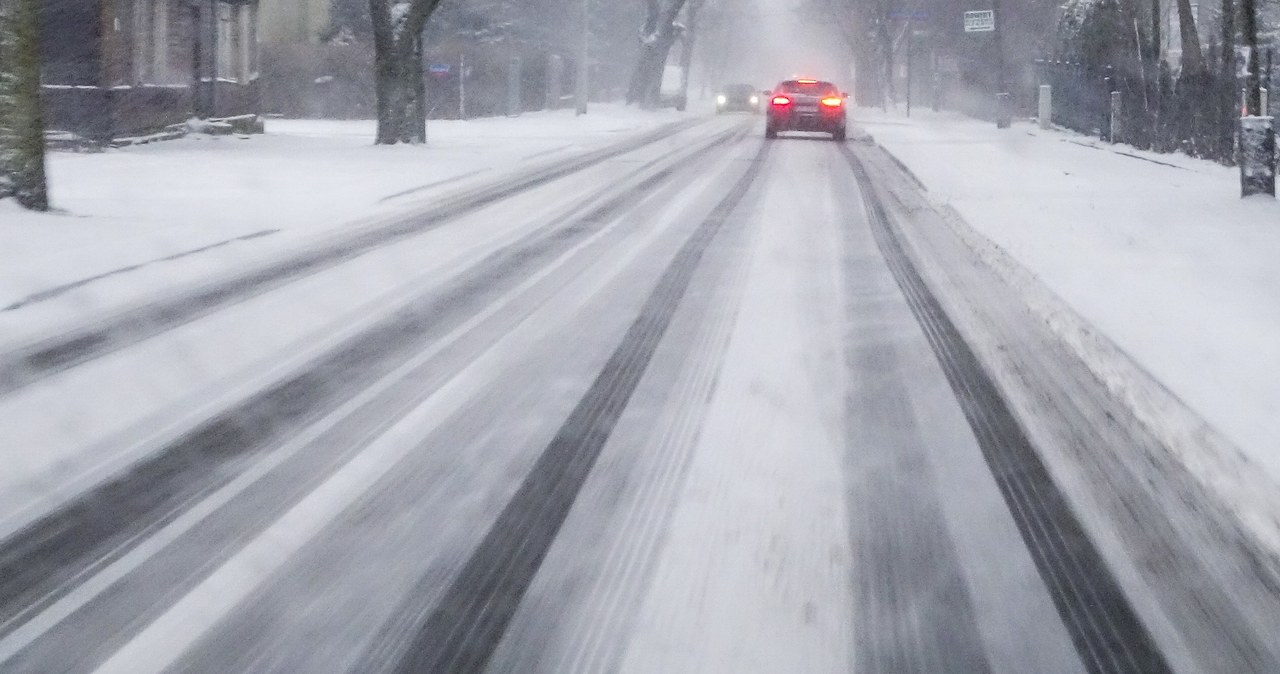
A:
(237, 35)
(160, 44)
(248, 37)
(227, 37)
(143, 42)
(151, 45)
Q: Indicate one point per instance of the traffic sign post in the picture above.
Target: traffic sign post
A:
(984, 21)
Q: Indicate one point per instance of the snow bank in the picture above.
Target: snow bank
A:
(1157, 252)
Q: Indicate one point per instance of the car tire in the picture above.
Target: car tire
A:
(770, 132)
(838, 135)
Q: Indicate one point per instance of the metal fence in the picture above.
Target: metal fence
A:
(1157, 110)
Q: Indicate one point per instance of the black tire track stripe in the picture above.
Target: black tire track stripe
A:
(1107, 633)
(466, 625)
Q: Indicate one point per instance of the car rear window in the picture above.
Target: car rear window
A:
(809, 88)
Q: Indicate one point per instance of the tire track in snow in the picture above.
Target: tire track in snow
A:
(466, 625)
(619, 528)
(52, 556)
(914, 611)
(1108, 635)
(26, 365)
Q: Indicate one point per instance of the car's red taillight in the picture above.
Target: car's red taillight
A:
(833, 101)
(781, 100)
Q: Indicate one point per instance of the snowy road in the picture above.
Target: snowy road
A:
(688, 408)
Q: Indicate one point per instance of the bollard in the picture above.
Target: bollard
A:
(515, 98)
(1046, 106)
(1004, 111)
(1264, 108)
(1115, 117)
(1257, 156)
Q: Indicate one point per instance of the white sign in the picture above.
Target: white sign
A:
(981, 21)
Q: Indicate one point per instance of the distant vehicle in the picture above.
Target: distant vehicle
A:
(671, 94)
(737, 98)
(806, 105)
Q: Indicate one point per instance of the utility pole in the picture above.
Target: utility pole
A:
(1004, 111)
(910, 37)
(584, 68)
(212, 64)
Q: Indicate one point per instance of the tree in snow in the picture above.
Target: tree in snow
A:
(1192, 59)
(656, 38)
(689, 37)
(397, 43)
(21, 124)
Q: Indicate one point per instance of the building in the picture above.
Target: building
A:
(314, 64)
(293, 21)
(116, 68)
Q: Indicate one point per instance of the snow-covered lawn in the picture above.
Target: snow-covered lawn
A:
(216, 202)
(1157, 251)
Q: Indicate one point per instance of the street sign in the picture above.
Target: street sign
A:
(980, 21)
(438, 68)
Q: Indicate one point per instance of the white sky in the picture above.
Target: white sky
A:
(774, 42)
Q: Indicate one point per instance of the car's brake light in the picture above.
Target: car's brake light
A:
(807, 81)
(781, 100)
(833, 101)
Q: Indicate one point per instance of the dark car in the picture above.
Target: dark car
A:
(737, 98)
(806, 105)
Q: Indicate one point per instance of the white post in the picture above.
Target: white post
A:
(462, 86)
(1046, 106)
(1265, 110)
(1116, 128)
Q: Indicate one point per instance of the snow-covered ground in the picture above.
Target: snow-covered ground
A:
(91, 420)
(133, 219)
(1158, 252)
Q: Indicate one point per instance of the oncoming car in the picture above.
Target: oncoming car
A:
(738, 98)
(806, 105)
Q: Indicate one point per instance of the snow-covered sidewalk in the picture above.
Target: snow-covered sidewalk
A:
(1157, 251)
(133, 219)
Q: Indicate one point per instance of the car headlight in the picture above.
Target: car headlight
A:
(721, 100)
(755, 100)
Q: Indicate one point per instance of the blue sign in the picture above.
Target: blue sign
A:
(439, 68)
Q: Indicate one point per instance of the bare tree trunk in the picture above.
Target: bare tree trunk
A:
(688, 38)
(22, 174)
(1192, 58)
(856, 18)
(637, 89)
(1157, 49)
(655, 44)
(397, 45)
